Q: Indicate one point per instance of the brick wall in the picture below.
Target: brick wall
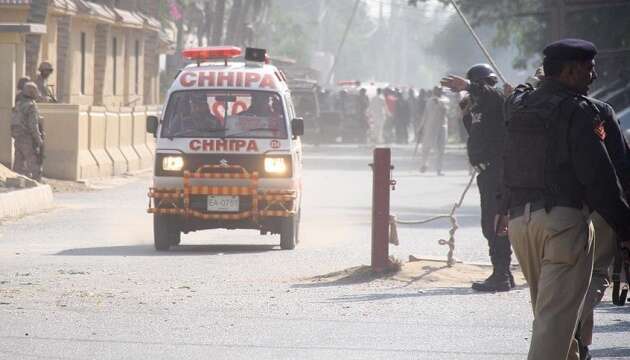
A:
(101, 45)
(37, 14)
(63, 53)
(151, 68)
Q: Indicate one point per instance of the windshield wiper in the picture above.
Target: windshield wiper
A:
(197, 132)
(251, 130)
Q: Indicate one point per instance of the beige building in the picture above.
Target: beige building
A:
(106, 59)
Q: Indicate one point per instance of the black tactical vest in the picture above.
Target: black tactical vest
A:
(535, 147)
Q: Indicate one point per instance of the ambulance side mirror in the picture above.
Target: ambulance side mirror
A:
(297, 127)
(152, 124)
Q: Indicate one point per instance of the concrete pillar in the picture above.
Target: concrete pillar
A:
(12, 63)
(8, 64)
(37, 14)
(101, 46)
(151, 68)
(63, 58)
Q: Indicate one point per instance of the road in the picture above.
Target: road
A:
(83, 282)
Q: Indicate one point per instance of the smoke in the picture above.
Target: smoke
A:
(389, 41)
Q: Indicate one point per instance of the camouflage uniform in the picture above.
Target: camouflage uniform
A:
(25, 130)
(45, 93)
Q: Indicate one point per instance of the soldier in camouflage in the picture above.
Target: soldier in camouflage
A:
(25, 130)
(45, 93)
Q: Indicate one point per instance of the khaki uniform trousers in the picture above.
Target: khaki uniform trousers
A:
(605, 249)
(556, 255)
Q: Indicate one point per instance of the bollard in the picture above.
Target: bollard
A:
(381, 169)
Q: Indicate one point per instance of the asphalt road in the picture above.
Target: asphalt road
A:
(83, 281)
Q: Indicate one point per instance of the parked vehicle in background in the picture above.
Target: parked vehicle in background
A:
(306, 101)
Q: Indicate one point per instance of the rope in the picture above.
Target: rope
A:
(450, 261)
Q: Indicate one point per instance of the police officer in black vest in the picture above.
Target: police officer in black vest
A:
(485, 145)
(558, 170)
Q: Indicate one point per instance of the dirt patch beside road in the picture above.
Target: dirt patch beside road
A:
(67, 186)
(434, 273)
(422, 274)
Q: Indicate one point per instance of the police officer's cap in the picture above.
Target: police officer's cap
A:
(479, 72)
(45, 66)
(570, 49)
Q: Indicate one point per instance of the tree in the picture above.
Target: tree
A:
(233, 22)
(219, 15)
(529, 23)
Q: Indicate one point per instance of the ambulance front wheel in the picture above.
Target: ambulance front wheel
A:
(165, 232)
(289, 227)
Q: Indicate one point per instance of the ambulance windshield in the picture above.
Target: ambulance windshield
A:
(224, 114)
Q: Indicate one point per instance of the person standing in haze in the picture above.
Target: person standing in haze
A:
(402, 118)
(377, 113)
(363, 119)
(434, 128)
(390, 115)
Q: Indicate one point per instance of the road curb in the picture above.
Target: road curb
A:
(25, 201)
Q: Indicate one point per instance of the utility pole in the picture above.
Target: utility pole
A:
(343, 41)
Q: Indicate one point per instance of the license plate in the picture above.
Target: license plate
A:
(223, 203)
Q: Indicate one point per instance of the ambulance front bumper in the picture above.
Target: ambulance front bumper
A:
(258, 198)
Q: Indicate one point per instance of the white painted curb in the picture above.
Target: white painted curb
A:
(25, 201)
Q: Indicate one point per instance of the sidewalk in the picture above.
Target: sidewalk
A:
(20, 196)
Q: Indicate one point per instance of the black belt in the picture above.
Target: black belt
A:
(540, 204)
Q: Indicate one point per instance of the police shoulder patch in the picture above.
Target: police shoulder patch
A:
(599, 129)
(476, 118)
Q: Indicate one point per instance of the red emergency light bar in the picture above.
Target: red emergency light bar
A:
(214, 52)
(348, 83)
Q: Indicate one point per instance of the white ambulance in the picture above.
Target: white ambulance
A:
(228, 149)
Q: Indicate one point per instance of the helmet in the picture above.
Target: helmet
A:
(479, 72)
(30, 90)
(22, 81)
(45, 66)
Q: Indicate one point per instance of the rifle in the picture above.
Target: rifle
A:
(51, 94)
(40, 148)
(620, 291)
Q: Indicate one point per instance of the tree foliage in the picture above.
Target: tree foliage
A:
(527, 24)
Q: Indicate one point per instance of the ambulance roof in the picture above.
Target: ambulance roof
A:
(235, 75)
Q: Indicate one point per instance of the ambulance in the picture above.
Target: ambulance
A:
(228, 149)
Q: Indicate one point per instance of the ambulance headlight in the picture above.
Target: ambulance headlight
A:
(172, 163)
(275, 165)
